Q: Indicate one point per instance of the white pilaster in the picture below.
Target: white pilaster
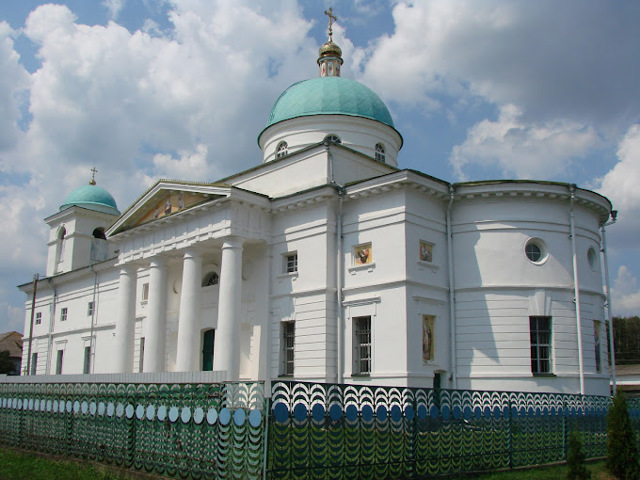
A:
(189, 320)
(226, 354)
(156, 323)
(125, 321)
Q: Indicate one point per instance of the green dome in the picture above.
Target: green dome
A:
(91, 197)
(329, 96)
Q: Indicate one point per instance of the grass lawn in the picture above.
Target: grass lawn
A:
(22, 465)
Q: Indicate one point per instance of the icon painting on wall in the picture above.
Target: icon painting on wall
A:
(427, 338)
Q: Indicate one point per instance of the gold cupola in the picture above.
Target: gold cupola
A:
(330, 54)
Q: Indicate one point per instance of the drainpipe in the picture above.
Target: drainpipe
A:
(33, 314)
(93, 317)
(52, 320)
(612, 350)
(339, 270)
(452, 307)
(340, 267)
(576, 286)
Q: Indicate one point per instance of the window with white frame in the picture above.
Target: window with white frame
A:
(290, 262)
(38, 318)
(34, 363)
(141, 355)
(380, 155)
(362, 345)
(540, 333)
(597, 326)
(145, 292)
(90, 309)
(63, 314)
(288, 341)
(87, 360)
(211, 278)
(282, 149)
(59, 358)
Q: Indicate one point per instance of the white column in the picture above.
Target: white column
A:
(125, 321)
(189, 319)
(226, 354)
(156, 322)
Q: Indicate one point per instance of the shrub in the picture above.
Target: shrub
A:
(576, 458)
(622, 450)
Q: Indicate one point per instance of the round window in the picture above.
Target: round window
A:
(535, 251)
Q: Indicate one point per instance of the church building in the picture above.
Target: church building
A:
(328, 262)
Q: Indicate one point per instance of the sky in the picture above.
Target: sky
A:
(179, 89)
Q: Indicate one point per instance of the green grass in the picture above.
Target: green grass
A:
(21, 465)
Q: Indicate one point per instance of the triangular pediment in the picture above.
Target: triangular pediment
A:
(166, 199)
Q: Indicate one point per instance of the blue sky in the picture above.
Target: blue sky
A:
(179, 89)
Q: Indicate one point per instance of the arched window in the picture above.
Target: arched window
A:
(62, 233)
(380, 156)
(282, 150)
(209, 279)
(332, 139)
(99, 233)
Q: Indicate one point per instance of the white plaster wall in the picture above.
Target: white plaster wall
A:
(360, 134)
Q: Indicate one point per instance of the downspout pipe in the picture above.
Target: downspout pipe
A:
(93, 318)
(339, 270)
(612, 350)
(576, 287)
(33, 314)
(52, 320)
(452, 305)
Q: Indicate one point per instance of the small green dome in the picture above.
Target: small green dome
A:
(329, 96)
(91, 197)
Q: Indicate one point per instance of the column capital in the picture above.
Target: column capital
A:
(158, 261)
(232, 241)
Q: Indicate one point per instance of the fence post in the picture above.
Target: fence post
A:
(564, 428)
(265, 438)
(510, 443)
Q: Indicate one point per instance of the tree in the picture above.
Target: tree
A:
(576, 458)
(7, 365)
(622, 450)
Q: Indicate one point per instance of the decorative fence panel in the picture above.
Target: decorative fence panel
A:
(202, 430)
(319, 431)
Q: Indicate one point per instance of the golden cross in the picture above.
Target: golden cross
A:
(332, 18)
(93, 175)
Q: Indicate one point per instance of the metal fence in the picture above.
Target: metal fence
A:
(199, 430)
(305, 431)
(319, 431)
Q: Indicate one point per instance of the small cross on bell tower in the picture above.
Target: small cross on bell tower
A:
(330, 58)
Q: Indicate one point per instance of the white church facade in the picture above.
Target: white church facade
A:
(329, 263)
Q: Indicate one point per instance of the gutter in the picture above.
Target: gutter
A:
(576, 287)
(452, 306)
(612, 350)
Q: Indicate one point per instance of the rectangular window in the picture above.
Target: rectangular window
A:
(362, 254)
(90, 309)
(288, 347)
(38, 318)
(596, 339)
(34, 363)
(145, 292)
(141, 357)
(87, 360)
(362, 345)
(290, 262)
(540, 331)
(63, 314)
(59, 358)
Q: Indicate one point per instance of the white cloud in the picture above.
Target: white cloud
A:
(114, 7)
(552, 59)
(13, 80)
(625, 294)
(532, 151)
(189, 163)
